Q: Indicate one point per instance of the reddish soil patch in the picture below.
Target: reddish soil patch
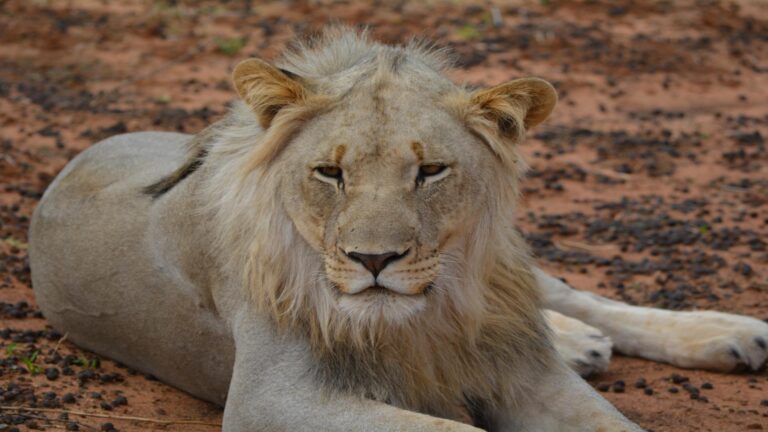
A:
(649, 184)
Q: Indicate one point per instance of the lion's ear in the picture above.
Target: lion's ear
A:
(516, 105)
(267, 89)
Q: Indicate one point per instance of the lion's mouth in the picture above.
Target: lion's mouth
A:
(381, 290)
(378, 289)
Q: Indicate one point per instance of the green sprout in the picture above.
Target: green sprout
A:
(468, 32)
(230, 46)
(84, 362)
(12, 242)
(29, 362)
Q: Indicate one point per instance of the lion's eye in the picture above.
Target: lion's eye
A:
(330, 172)
(430, 172)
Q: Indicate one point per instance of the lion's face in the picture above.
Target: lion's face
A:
(383, 186)
(391, 173)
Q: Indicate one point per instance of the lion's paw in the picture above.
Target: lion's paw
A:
(584, 348)
(717, 341)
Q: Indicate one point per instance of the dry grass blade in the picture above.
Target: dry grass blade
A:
(110, 416)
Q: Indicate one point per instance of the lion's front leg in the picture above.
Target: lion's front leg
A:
(584, 348)
(702, 339)
(563, 402)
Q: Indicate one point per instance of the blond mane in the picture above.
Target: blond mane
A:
(482, 333)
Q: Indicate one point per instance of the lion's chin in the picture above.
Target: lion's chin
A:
(378, 303)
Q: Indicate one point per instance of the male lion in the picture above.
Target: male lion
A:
(338, 254)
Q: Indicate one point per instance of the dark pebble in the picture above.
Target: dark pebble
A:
(52, 373)
(618, 386)
(120, 400)
(107, 427)
(641, 383)
(105, 406)
(603, 387)
(50, 400)
(648, 391)
(678, 379)
(690, 388)
(110, 377)
(764, 402)
(673, 390)
(707, 386)
(85, 375)
(72, 426)
(69, 398)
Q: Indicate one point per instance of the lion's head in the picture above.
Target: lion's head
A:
(374, 198)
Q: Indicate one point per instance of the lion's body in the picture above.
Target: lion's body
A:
(123, 275)
(337, 253)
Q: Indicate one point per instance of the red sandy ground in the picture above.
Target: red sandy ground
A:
(687, 81)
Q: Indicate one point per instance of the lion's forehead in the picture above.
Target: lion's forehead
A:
(393, 133)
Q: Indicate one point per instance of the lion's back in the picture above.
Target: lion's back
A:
(124, 161)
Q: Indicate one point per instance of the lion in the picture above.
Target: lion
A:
(339, 253)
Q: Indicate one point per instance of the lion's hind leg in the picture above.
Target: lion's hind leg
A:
(583, 347)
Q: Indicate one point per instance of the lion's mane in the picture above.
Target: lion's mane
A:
(481, 337)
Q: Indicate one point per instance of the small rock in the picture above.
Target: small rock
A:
(618, 386)
(679, 379)
(52, 373)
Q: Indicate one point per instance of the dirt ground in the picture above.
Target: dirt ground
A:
(649, 184)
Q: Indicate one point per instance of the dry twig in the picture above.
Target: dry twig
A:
(110, 416)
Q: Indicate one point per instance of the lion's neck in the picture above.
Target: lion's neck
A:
(440, 370)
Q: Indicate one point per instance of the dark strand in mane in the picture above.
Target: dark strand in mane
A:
(167, 183)
(197, 151)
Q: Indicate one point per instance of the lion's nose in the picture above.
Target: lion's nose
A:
(375, 263)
